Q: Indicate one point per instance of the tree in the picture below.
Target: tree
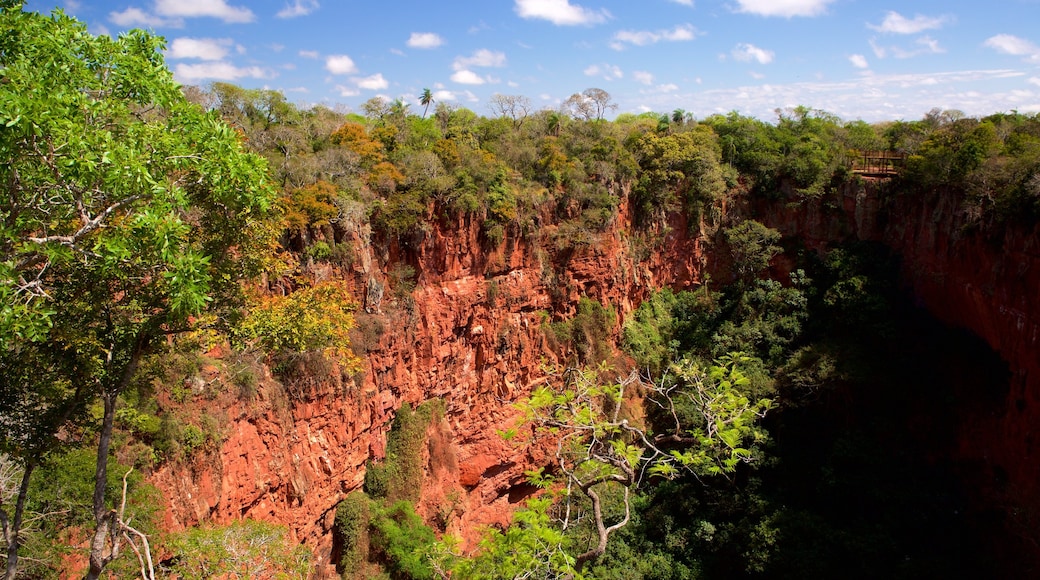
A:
(128, 214)
(753, 246)
(515, 107)
(713, 428)
(425, 99)
(590, 104)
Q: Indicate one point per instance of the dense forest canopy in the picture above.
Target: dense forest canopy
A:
(139, 216)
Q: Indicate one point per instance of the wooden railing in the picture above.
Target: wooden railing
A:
(879, 163)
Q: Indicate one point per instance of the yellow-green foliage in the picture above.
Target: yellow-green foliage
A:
(242, 549)
(313, 319)
(310, 206)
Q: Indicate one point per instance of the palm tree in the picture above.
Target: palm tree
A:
(426, 99)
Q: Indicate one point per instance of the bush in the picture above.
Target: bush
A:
(350, 533)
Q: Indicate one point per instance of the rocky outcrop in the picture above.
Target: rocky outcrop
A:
(469, 333)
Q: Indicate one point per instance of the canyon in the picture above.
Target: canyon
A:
(444, 314)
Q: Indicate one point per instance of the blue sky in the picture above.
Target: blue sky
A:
(860, 59)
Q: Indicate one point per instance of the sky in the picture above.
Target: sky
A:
(873, 60)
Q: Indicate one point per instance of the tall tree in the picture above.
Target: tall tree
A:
(516, 107)
(604, 453)
(127, 214)
(425, 99)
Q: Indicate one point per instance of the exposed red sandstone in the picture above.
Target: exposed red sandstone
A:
(470, 334)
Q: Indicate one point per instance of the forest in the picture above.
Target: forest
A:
(171, 252)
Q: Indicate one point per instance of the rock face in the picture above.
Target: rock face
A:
(470, 332)
(981, 277)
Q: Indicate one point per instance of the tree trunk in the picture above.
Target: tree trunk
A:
(102, 516)
(13, 529)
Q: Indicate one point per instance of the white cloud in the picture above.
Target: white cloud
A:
(868, 97)
(922, 45)
(374, 82)
(443, 95)
(1034, 81)
(347, 91)
(195, 8)
(560, 12)
(783, 8)
(424, 40)
(298, 8)
(467, 77)
(482, 57)
(925, 45)
(200, 48)
(132, 17)
(895, 23)
(643, 77)
(309, 54)
(745, 52)
(340, 64)
(219, 71)
(684, 2)
(608, 72)
(1015, 46)
(859, 61)
(680, 33)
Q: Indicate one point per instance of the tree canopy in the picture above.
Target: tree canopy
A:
(128, 214)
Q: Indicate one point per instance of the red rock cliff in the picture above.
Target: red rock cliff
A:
(469, 333)
(984, 277)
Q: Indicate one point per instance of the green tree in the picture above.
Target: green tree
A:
(425, 99)
(602, 452)
(128, 214)
(752, 246)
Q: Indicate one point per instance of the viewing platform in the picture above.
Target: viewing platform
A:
(879, 163)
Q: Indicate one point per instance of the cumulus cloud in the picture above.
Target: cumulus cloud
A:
(298, 8)
(896, 23)
(745, 52)
(424, 40)
(200, 48)
(198, 8)
(444, 95)
(643, 77)
(217, 71)
(340, 64)
(560, 12)
(923, 45)
(482, 58)
(680, 33)
(607, 72)
(1015, 46)
(375, 82)
(859, 61)
(783, 8)
(135, 17)
(467, 77)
